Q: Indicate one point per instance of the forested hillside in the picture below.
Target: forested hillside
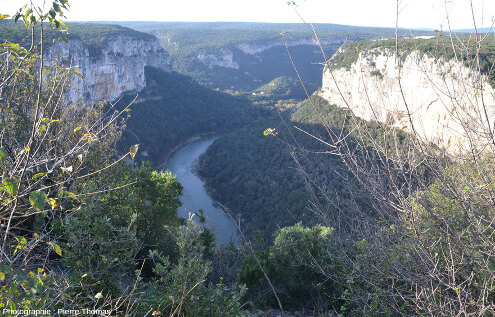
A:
(279, 180)
(173, 108)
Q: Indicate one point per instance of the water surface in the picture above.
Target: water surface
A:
(194, 195)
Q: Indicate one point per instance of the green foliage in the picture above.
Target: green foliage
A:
(285, 88)
(182, 288)
(23, 291)
(3, 153)
(10, 186)
(293, 263)
(446, 217)
(256, 178)
(156, 204)
(37, 200)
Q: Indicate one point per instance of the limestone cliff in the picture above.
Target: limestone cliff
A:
(225, 58)
(112, 69)
(439, 98)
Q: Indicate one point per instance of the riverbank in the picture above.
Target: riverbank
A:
(196, 169)
(166, 156)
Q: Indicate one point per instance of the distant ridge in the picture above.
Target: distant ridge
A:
(481, 30)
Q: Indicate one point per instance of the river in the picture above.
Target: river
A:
(194, 195)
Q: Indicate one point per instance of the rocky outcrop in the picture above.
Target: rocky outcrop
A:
(225, 58)
(117, 67)
(440, 99)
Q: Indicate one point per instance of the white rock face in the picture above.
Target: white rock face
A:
(253, 49)
(440, 98)
(224, 59)
(118, 68)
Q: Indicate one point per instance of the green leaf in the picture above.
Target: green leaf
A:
(63, 24)
(26, 15)
(37, 200)
(52, 202)
(39, 175)
(70, 194)
(77, 129)
(42, 128)
(133, 150)
(78, 74)
(5, 269)
(4, 16)
(10, 186)
(269, 131)
(3, 153)
(56, 248)
(21, 240)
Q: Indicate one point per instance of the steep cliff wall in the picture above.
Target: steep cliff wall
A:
(441, 97)
(118, 65)
(225, 58)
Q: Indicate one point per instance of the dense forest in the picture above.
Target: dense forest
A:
(173, 108)
(279, 180)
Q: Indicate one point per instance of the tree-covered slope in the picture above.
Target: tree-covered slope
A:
(283, 88)
(172, 108)
(273, 181)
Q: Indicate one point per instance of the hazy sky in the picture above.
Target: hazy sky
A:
(414, 13)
